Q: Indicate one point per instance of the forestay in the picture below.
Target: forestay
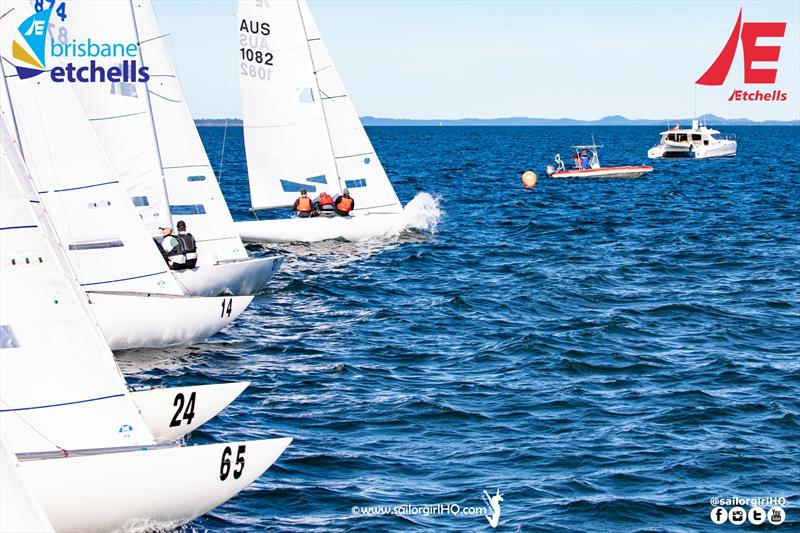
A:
(301, 130)
(60, 388)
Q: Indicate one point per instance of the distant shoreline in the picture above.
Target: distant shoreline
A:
(712, 120)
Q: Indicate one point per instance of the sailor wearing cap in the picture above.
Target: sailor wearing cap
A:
(173, 249)
(344, 203)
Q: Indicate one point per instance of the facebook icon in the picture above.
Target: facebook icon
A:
(719, 515)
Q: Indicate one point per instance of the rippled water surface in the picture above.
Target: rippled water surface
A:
(610, 354)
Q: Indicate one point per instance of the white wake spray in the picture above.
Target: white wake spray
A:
(422, 213)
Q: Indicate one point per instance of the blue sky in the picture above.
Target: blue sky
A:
(469, 58)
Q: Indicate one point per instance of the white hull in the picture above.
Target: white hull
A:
(155, 321)
(352, 228)
(607, 172)
(144, 489)
(241, 278)
(19, 510)
(698, 142)
(726, 149)
(171, 413)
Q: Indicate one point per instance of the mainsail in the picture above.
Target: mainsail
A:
(60, 388)
(300, 127)
(120, 112)
(166, 171)
(106, 242)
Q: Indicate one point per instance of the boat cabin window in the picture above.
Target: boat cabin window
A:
(678, 137)
(695, 136)
(718, 136)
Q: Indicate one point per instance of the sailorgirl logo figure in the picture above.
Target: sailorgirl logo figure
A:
(494, 503)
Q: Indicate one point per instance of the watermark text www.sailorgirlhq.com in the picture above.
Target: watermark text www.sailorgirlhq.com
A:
(490, 511)
(424, 509)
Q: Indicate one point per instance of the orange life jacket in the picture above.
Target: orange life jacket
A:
(345, 204)
(325, 199)
(304, 204)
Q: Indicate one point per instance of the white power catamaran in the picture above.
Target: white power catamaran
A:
(73, 436)
(148, 132)
(697, 142)
(301, 131)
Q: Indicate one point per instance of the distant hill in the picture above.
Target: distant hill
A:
(613, 120)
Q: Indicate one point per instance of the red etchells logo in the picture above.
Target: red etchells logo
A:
(717, 73)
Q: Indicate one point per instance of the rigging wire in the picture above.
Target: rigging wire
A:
(222, 154)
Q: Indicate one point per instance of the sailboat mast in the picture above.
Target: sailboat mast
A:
(150, 115)
(319, 92)
(11, 109)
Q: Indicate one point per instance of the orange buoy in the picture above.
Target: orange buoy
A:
(529, 180)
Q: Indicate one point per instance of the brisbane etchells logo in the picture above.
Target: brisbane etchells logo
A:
(34, 33)
(749, 32)
(77, 59)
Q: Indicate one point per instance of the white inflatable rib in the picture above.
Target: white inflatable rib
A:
(150, 489)
(162, 320)
(245, 277)
(352, 228)
(19, 510)
(171, 413)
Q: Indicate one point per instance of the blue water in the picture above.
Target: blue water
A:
(610, 354)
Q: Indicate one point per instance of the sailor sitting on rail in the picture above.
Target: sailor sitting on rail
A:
(344, 203)
(324, 205)
(302, 205)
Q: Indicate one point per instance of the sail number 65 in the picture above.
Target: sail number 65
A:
(225, 465)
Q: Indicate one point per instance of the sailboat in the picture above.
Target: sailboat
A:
(72, 434)
(301, 131)
(139, 302)
(148, 132)
(156, 405)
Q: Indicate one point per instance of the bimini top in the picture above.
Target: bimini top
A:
(588, 146)
(696, 128)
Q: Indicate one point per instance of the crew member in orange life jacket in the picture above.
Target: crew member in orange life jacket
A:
(344, 204)
(324, 205)
(303, 205)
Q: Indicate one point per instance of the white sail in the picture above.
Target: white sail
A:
(120, 112)
(301, 129)
(357, 164)
(106, 242)
(193, 191)
(59, 385)
(286, 138)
